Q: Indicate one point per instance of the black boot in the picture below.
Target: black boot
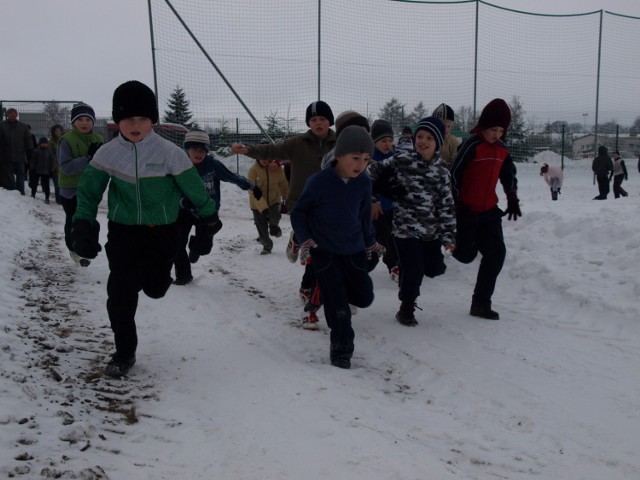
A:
(119, 366)
(554, 195)
(483, 311)
(405, 315)
(340, 355)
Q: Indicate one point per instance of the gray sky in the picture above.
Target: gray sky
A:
(82, 49)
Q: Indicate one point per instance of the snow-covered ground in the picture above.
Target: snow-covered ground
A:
(228, 386)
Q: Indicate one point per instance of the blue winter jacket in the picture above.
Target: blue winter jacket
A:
(334, 213)
(213, 171)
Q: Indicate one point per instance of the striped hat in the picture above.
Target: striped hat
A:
(434, 126)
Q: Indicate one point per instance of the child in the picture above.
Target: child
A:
(450, 146)
(212, 172)
(553, 177)
(424, 217)
(305, 152)
(382, 208)
(405, 142)
(145, 175)
(346, 118)
(332, 220)
(76, 149)
(270, 179)
(56, 134)
(602, 168)
(482, 160)
(619, 173)
(42, 166)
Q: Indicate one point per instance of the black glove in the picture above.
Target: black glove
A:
(513, 206)
(84, 238)
(202, 242)
(93, 148)
(388, 185)
(257, 193)
(209, 226)
(199, 245)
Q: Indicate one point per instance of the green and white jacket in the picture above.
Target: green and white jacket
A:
(145, 180)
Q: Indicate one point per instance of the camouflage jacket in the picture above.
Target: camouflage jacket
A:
(427, 212)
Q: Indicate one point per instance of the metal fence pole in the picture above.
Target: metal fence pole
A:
(595, 138)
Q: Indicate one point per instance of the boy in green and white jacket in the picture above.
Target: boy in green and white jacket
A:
(145, 175)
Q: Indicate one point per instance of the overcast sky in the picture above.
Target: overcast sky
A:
(82, 50)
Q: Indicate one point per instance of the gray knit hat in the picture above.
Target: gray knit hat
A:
(381, 129)
(196, 138)
(353, 139)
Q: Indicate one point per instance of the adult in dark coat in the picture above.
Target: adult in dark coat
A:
(16, 149)
(602, 167)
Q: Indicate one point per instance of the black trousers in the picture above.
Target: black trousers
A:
(343, 280)
(184, 224)
(603, 185)
(617, 186)
(140, 258)
(383, 225)
(34, 178)
(69, 206)
(417, 259)
(482, 233)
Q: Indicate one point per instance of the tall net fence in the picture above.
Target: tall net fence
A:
(248, 69)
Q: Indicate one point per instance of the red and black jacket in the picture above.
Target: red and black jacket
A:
(475, 173)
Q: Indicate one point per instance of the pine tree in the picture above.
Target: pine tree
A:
(178, 109)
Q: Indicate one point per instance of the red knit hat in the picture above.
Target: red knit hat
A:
(495, 114)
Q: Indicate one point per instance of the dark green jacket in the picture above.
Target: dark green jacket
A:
(305, 153)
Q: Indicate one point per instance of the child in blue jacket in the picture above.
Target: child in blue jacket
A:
(212, 172)
(332, 221)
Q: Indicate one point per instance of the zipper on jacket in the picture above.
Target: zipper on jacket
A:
(138, 200)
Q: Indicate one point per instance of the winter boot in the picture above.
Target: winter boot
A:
(292, 249)
(394, 273)
(305, 294)
(310, 321)
(83, 262)
(275, 231)
(193, 256)
(119, 366)
(483, 311)
(405, 315)
(554, 194)
(267, 246)
(340, 355)
(183, 280)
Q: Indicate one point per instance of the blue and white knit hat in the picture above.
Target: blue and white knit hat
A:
(82, 110)
(434, 126)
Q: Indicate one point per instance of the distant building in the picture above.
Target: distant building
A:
(627, 143)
